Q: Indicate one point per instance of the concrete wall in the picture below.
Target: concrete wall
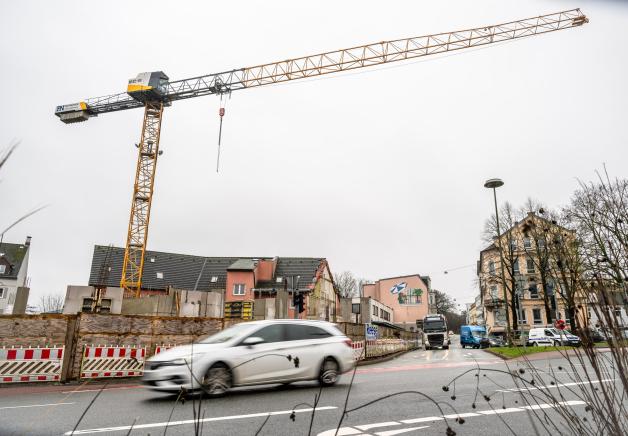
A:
(74, 298)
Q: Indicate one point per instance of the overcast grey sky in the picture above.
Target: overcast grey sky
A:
(380, 172)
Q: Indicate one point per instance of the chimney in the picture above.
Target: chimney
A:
(28, 241)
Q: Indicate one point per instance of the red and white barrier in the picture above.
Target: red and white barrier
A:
(30, 364)
(358, 350)
(100, 361)
(163, 347)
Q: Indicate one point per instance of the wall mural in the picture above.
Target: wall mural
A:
(406, 295)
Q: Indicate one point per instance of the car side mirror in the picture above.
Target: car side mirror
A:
(252, 340)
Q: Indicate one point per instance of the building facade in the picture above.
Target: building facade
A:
(408, 296)
(14, 277)
(520, 266)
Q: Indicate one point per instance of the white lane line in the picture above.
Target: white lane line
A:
(403, 430)
(357, 430)
(557, 385)
(98, 390)
(191, 421)
(426, 419)
(379, 424)
(35, 405)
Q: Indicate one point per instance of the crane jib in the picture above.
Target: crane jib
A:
(140, 91)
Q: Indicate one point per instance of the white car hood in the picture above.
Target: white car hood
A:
(186, 351)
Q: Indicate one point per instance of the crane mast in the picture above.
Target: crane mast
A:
(153, 91)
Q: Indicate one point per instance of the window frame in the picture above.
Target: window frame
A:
(530, 270)
(534, 318)
(3, 292)
(237, 286)
(3, 269)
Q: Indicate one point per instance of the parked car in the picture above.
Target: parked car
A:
(552, 336)
(496, 340)
(253, 353)
(473, 336)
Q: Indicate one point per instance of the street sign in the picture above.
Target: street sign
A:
(371, 332)
(239, 309)
(560, 324)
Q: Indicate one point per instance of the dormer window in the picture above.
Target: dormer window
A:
(214, 279)
(160, 275)
(3, 269)
(279, 279)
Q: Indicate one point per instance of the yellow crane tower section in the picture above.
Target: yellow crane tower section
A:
(153, 91)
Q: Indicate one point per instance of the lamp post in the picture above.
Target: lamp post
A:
(494, 184)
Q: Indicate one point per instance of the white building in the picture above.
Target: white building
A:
(14, 277)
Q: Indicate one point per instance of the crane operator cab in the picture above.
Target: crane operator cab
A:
(151, 86)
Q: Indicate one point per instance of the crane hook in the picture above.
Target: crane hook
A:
(221, 114)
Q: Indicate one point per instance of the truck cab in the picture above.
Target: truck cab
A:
(473, 336)
(435, 333)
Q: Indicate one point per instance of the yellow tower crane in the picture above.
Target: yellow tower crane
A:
(153, 91)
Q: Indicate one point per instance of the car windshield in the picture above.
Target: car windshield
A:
(478, 334)
(226, 334)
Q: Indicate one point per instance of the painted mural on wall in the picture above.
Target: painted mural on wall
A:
(406, 295)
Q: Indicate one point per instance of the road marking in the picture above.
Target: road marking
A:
(558, 385)
(427, 366)
(403, 430)
(98, 390)
(192, 421)
(358, 429)
(35, 405)
(379, 424)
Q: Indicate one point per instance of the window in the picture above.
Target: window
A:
(515, 266)
(299, 332)
(494, 292)
(530, 266)
(214, 279)
(3, 292)
(534, 291)
(270, 333)
(536, 315)
(527, 243)
(513, 244)
(522, 317)
(160, 275)
(541, 243)
(491, 268)
(3, 269)
(375, 311)
(618, 312)
(239, 289)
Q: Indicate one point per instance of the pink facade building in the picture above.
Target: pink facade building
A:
(408, 296)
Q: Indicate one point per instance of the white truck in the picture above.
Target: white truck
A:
(435, 332)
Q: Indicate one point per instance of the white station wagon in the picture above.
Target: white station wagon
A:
(253, 353)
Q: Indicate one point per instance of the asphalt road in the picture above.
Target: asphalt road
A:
(117, 407)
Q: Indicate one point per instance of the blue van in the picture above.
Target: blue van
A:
(473, 336)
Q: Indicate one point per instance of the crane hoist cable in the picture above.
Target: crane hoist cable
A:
(221, 114)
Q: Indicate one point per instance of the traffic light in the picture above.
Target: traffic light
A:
(297, 301)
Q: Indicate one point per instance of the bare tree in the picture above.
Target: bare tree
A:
(346, 284)
(51, 303)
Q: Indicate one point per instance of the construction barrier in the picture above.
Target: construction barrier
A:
(112, 361)
(163, 347)
(30, 364)
(358, 350)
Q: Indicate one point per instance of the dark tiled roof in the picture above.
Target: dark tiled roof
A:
(242, 265)
(183, 270)
(12, 257)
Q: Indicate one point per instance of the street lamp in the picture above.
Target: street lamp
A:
(494, 184)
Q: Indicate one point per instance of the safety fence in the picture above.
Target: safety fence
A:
(31, 364)
(102, 361)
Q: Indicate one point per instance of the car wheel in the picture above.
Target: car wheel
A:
(329, 372)
(446, 347)
(217, 380)
(534, 344)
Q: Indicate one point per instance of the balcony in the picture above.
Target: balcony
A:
(493, 302)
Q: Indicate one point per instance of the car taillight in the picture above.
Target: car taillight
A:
(348, 342)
